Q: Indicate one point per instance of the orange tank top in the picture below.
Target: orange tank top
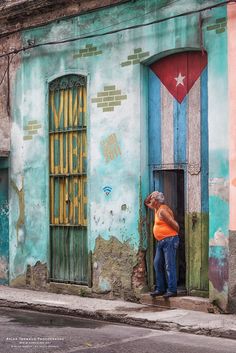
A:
(161, 229)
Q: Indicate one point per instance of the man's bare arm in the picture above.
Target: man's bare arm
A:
(147, 202)
(169, 220)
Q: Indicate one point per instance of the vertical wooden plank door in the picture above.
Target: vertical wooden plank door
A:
(68, 180)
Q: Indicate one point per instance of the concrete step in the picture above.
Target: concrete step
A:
(181, 302)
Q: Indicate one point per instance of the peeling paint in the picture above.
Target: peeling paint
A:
(4, 209)
(20, 225)
(218, 298)
(37, 275)
(139, 274)
(219, 239)
(121, 159)
(118, 269)
(218, 267)
(219, 187)
(18, 282)
(3, 268)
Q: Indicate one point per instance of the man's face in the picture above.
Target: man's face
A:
(154, 202)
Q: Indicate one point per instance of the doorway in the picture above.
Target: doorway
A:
(171, 183)
(68, 180)
(178, 158)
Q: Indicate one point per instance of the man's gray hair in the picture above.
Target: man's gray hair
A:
(159, 196)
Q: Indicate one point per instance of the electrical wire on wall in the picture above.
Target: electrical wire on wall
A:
(7, 73)
(93, 34)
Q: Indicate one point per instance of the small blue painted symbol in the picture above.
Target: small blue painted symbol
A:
(107, 190)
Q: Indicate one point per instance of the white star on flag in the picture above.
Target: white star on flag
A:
(179, 80)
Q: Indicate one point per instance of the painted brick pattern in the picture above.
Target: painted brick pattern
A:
(219, 26)
(31, 129)
(135, 57)
(109, 98)
(89, 50)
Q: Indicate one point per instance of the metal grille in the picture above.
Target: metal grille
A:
(68, 179)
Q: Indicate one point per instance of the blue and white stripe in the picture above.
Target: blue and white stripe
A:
(178, 134)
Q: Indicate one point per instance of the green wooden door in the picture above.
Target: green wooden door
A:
(68, 180)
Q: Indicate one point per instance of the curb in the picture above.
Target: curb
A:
(122, 318)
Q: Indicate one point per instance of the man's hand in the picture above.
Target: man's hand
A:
(148, 203)
(166, 216)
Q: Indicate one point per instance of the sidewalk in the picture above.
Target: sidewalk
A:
(194, 322)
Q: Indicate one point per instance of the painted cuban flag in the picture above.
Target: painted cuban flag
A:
(178, 129)
(179, 72)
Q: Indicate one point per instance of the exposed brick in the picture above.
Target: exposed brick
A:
(222, 19)
(34, 132)
(89, 45)
(27, 138)
(27, 127)
(99, 52)
(36, 276)
(139, 276)
(83, 51)
(137, 61)
(96, 100)
(77, 56)
(143, 55)
(223, 24)
(109, 88)
(88, 54)
(102, 94)
(93, 49)
(112, 104)
(221, 30)
(210, 28)
(132, 57)
(109, 109)
(121, 97)
(108, 99)
(102, 105)
(126, 63)
(37, 126)
(114, 92)
(33, 122)
(138, 50)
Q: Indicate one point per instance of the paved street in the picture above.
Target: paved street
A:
(24, 331)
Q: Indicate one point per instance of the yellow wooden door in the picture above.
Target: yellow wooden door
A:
(68, 179)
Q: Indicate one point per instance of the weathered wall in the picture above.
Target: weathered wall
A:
(231, 11)
(118, 269)
(20, 14)
(117, 135)
(216, 43)
(8, 67)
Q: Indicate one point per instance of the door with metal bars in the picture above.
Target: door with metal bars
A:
(68, 178)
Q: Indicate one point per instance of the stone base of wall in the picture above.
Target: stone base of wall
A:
(232, 272)
(118, 269)
(118, 272)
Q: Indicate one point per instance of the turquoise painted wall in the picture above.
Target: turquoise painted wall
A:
(216, 45)
(113, 60)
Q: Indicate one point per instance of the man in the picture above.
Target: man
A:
(165, 230)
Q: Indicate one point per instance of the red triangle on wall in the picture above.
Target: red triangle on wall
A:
(179, 72)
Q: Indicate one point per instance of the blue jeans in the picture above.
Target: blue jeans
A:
(165, 264)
